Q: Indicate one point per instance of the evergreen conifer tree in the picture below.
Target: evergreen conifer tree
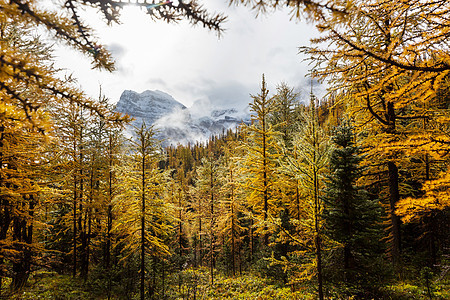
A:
(350, 216)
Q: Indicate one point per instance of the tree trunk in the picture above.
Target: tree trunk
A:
(348, 233)
(394, 197)
(163, 279)
(109, 213)
(233, 231)
(180, 231)
(23, 234)
(319, 266)
(108, 237)
(143, 230)
(88, 243)
(5, 215)
(317, 208)
(211, 229)
(195, 242)
(75, 195)
(252, 247)
(433, 249)
(347, 254)
(318, 240)
(83, 236)
(266, 194)
(297, 199)
(5, 222)
(232, 242)
(80, 215)
(200, 256)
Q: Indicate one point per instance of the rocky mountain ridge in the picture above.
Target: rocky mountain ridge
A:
(174, 122)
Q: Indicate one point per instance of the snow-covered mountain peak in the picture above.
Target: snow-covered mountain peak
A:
(220, 113)
(150, 105)
(174, 122)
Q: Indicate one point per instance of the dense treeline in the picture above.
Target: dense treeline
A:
(343, 197)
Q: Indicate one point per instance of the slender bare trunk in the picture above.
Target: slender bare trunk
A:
(394, 197)
(265, 183)
(143, 229)
(211, 228)
(75, 194)
(317, 209)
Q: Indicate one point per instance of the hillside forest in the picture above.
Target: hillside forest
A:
(344, 197)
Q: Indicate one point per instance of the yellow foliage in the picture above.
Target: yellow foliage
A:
(144, 215)
(258, 166)
(436, 197)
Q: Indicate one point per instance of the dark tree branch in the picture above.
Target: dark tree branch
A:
(390, 61)
(369, 106)
(440, 141)
(411, 117)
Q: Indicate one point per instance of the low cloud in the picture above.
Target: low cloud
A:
(209, 95)
(177, 119)
(117, 50)
(229, 95)
(157, 83)
(202, 108)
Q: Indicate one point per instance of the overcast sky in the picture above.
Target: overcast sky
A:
(192, 63)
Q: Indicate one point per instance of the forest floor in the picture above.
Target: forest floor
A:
(196, 284)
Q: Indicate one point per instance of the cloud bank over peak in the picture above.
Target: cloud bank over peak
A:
(176, 124)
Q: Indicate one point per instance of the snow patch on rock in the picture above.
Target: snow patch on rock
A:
(176, 124)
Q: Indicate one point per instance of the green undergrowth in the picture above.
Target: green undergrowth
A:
(50, 285)
(196, 284)
(188, 284)
(404, 290)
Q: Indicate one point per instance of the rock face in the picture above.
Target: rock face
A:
(149, 105)
(175, 124)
